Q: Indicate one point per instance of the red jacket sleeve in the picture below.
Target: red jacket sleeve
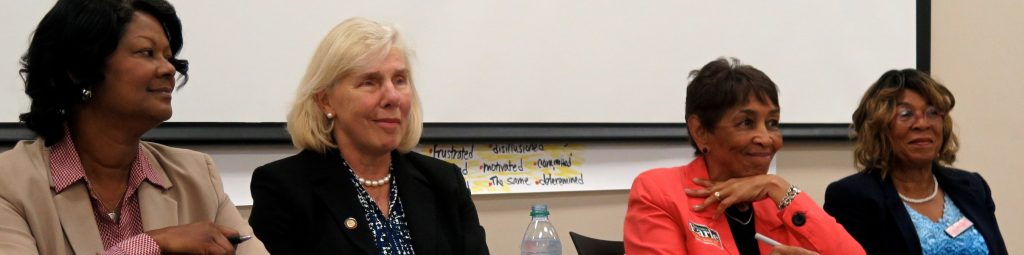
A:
(819, 231)
(649, 228)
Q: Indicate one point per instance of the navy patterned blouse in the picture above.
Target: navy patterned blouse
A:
(934, 239)
(390, 234)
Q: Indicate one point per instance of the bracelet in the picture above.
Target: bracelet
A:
(790, 195)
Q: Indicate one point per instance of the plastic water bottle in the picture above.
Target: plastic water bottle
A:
(541, 237)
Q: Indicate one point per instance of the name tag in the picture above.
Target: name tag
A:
(959, 227)
(705, 234)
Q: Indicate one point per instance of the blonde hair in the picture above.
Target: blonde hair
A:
(873, 148)
(350, 46)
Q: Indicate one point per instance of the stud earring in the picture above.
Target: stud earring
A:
(704, 151)
(330, 116)
(86, 94)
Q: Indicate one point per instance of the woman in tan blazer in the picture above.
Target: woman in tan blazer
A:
(100, 73)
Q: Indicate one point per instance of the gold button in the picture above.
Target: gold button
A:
(350, 223)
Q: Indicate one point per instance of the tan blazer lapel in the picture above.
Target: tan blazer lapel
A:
(158, 209)
(77, 219)
(74, 208)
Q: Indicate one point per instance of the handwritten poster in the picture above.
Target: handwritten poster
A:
(520, 167)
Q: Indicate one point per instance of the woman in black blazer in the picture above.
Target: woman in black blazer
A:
(355, 188)
(905, 200)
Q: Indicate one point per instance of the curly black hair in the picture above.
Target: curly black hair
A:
(68, 54)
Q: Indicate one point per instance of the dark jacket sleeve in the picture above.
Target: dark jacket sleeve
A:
(475, 238)
(450, 185)
(270, 217)
(859, 214)
(996, 244)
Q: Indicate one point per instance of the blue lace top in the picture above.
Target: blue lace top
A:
(390, 234)
(934, 239)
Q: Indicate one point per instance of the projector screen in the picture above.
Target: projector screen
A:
(571, 61)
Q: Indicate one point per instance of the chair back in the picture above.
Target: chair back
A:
(590, 246)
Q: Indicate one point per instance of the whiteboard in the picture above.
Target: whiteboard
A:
(571, 61)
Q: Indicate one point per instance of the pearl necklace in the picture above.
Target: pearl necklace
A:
(370, 183)
(374, 183)
(935, 191)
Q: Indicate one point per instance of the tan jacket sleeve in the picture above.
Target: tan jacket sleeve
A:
(15, 235)
(227, 214)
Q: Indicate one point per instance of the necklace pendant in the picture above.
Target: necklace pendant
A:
(112, 216)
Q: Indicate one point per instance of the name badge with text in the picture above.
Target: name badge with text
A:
(959, 227)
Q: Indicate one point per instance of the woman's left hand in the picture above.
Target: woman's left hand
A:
(738, 190)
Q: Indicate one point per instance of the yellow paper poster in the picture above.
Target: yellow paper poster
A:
(514, 167)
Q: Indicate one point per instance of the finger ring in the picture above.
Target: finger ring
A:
(718, 196)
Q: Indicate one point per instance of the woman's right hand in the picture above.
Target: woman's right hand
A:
(738, 191)
(195, 238)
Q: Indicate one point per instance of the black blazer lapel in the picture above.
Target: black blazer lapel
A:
(959, 191)
(901, 216)
(419, 203)
(336, 190)
(971, 203)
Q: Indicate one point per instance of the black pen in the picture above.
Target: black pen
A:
(235, 240)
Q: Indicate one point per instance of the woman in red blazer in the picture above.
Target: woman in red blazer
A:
(717, 203)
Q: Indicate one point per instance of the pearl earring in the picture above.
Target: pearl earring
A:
(330, 116)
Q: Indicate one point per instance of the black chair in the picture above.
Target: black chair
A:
(590, 246)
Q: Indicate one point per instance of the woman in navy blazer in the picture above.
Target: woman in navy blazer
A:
(356, 188)
(905, 200)
(304, 201)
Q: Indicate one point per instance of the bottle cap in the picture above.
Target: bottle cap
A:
(539, 210)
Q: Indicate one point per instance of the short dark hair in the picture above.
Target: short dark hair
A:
(75, 39)
(721, 85)
(872, 149)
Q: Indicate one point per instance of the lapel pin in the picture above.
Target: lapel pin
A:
(350, 223)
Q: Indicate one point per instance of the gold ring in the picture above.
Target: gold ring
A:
(718, 196)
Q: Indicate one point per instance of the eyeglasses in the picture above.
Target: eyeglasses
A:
(930, 114)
